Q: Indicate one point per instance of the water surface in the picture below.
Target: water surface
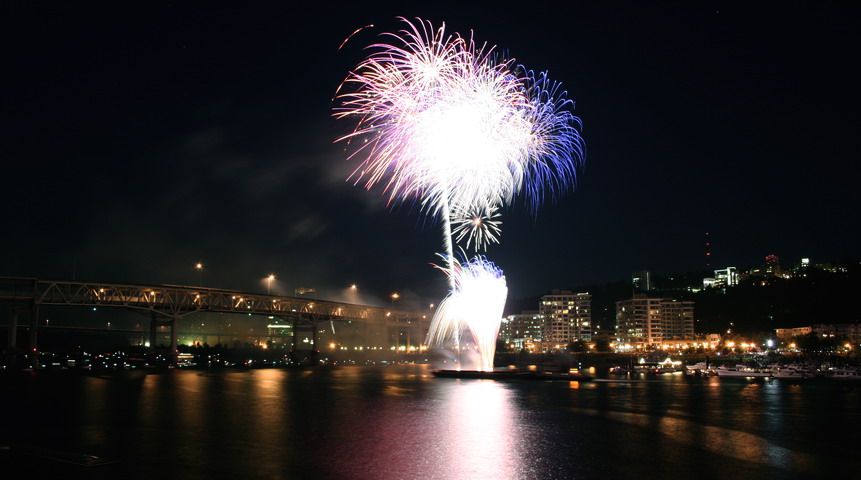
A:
(401, 422)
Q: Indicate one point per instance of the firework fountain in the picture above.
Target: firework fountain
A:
(457, 128)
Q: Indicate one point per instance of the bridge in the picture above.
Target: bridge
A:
(166, 304)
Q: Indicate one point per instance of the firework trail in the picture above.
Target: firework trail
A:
(351, 35)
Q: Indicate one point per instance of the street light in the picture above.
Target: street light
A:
(269, 284)
(199, 267)
(395, 296)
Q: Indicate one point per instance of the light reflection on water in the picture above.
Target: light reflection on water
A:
(401, 422)
(477, 431)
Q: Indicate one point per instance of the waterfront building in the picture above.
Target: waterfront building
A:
(642, 320)
(505, 330)
(638, 321)
(677, 319)
(522, 330)
(788, 333)
(710, 341)
(848, 331)
(567, 317)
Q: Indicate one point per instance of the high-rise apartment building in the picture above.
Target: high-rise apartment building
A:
(677, 319)
(647, 321)
(567, 316)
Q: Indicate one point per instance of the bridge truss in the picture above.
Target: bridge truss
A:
(168, 303)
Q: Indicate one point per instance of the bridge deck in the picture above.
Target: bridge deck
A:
(176, 301)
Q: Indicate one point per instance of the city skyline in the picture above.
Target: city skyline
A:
(146, 141)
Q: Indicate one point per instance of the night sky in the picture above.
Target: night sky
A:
(141, 140)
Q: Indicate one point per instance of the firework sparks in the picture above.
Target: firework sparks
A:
(445, 122)
(351, 35)
(479, 228)
(476, 304)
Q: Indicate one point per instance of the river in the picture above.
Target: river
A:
(401, 422)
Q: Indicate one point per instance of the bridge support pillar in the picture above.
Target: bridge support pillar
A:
(34, 328)
(314, 346)
(11, 343)
(314, 337)
(153, 333)
(158, 321)
(173, 350)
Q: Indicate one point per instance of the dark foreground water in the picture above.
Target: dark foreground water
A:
(401, 422)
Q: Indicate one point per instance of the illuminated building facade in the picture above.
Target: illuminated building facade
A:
(727, 277)
(567, 316)
(644, 321)
(677, 319)
(723, 278)
(847, 331)
(642, 281)
(788, 333)
(522, 330)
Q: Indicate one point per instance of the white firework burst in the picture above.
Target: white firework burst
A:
(477, 227)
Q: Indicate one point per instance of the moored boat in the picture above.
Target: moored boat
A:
(699, 368)
(786, 373)
(742, 371)
(844, 374)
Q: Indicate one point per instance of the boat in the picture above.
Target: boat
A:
(619, 370)
(699, 368)
(742, 371)
(787, 373)
(844, 374)
(806, 371)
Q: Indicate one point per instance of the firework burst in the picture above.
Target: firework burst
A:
(478, 228)
(475, 304)
(450, 124)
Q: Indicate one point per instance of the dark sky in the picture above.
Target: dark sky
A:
(139, 140)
